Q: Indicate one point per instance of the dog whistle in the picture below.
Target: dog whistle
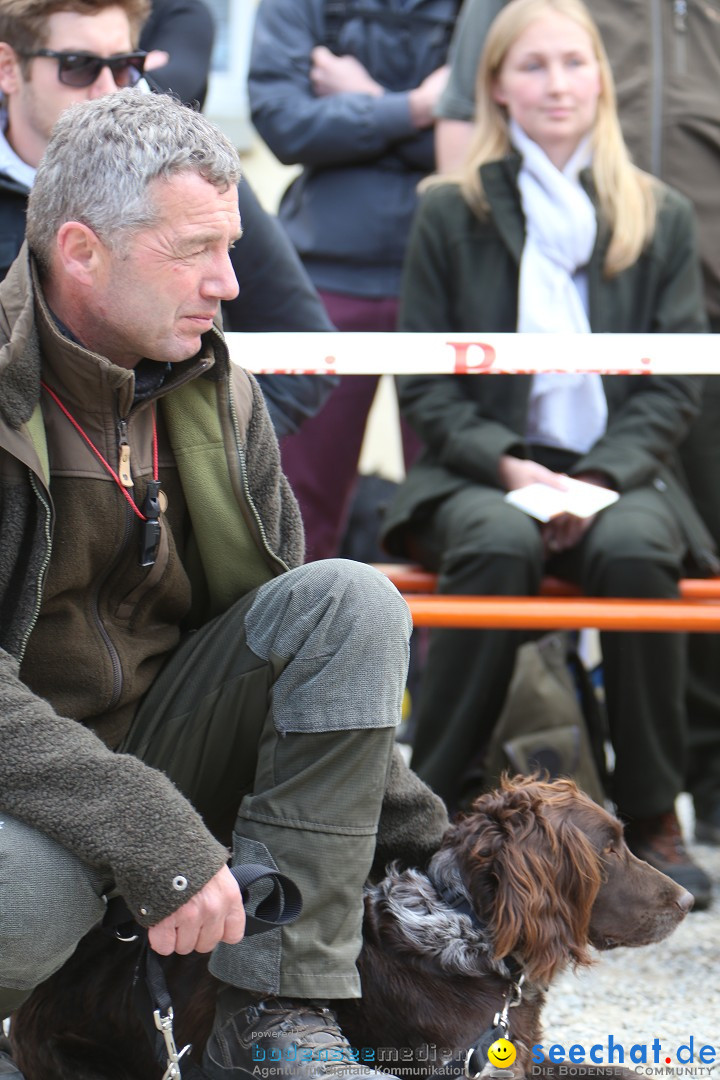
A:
(150, 527)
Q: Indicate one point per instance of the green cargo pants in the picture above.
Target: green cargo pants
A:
(277, 721)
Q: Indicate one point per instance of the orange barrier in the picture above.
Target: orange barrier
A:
(560, 606)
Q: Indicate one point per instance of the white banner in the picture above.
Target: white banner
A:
(475, 354)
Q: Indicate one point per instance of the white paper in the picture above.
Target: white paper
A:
(544, 502)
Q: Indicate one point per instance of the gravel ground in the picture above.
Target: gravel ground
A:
(669, 991)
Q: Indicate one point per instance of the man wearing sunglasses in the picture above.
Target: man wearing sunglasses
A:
(54, 53)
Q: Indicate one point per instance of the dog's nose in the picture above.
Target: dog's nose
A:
(685, 901)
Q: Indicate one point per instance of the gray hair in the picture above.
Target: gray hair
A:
(103, 154)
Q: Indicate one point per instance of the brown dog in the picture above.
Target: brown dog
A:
(523, 885)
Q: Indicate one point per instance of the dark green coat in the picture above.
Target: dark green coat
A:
(461, 275)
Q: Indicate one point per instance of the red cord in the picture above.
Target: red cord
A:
(99, 456)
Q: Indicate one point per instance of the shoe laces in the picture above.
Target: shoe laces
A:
(298, 1014)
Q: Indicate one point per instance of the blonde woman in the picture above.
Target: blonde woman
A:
(550, 228)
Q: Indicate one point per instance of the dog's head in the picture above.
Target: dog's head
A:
(549, 871)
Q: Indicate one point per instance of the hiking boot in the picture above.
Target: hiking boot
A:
(659, 841)
(8, 1068)
(707, 825)
(278, 1037)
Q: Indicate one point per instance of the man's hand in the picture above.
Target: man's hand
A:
(515, 473)
(331, 74)
(156, 58)
(216, 913)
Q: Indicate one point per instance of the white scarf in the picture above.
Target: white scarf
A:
(569, 411)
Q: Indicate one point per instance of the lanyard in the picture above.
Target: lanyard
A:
(150, 513)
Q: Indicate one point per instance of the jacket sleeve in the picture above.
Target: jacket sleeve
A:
(185, 30)
(275, 290)
(299, 127)
(657, 411)
(276, 294)
(457, 101)
(651, 422)
(111, 810)
(447, 420)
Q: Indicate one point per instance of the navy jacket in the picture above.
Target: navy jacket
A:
(349, 212)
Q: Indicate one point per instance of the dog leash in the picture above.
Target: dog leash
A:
(280, 907)
(470, 1063)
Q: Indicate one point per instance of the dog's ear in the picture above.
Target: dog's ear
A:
(544, 873)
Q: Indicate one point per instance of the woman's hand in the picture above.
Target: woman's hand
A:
(515, 473)
(564, 532)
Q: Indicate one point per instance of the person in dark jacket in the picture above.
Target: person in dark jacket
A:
(666, 63)
(533, 236)
(275, 291)
(347, 91)
(182, 33)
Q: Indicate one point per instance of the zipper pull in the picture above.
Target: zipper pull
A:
(124, 455)
(680, 10)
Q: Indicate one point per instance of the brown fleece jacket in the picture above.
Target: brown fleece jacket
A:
(110, 809)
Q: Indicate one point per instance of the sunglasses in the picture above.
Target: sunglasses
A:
(82, 69)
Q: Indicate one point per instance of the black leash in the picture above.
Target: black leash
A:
(280, 907)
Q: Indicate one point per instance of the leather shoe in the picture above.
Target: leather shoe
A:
(659, 841)
(279, 1038)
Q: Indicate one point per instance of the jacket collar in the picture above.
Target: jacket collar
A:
(29, 330)
(20, 353)
(500, 184)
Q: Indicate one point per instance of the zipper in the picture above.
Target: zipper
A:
(43, 569)
(124, 454)
(276, 561)
(129, 519)
(657, 84)
(680, 16)
(680, 12)
(114, 656)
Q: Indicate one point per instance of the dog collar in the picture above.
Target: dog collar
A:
(459, 902)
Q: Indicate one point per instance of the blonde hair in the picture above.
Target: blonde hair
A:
(626, 195)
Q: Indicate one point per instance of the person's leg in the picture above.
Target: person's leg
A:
(701, 460)
(49, 899)
(285, 707)
(478, 544)
(635, 549)
(321, 459)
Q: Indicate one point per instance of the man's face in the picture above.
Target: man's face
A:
(36, 101)
(158, 295)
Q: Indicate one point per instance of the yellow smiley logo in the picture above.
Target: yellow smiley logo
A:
(501, 1053)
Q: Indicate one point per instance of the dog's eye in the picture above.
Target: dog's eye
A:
(611, 848)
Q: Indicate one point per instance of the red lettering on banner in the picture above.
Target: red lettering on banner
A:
(463, 361)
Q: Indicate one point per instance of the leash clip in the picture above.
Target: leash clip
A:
(164, 1024)
(514, 997)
